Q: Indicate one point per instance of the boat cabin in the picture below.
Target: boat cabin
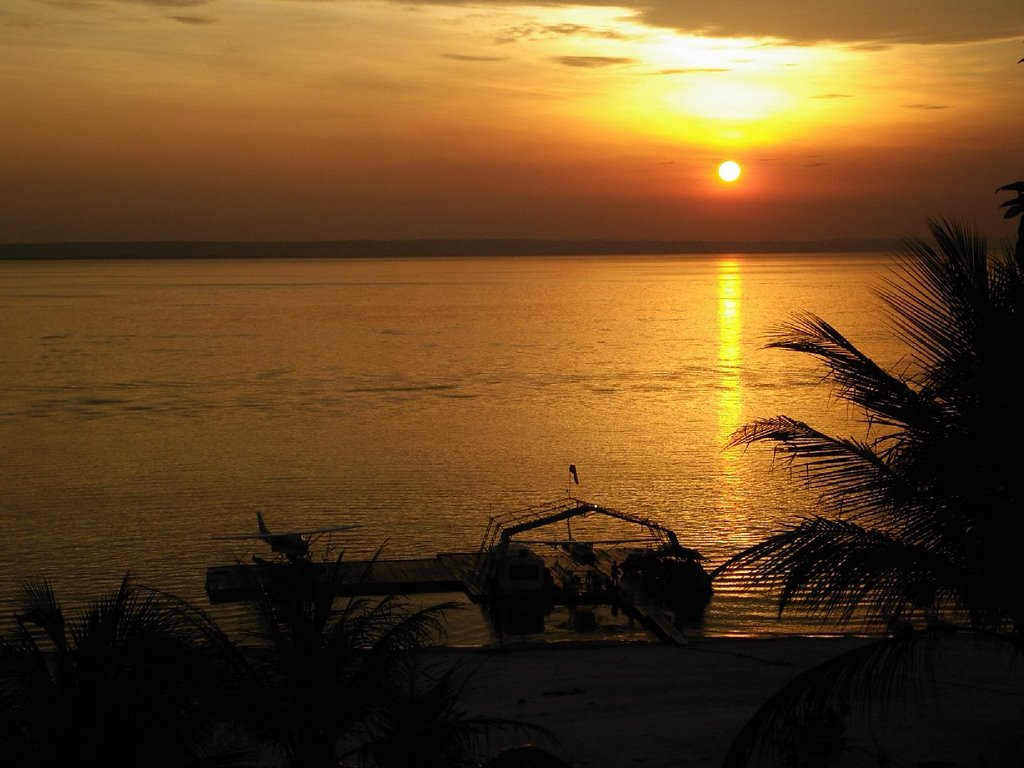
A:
(521, 571)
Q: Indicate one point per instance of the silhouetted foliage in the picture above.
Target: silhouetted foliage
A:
(123, 682)
(420, 723)
(319, 664)
(1015, 207)
(141, 677)
(526, 756)
(920, 522)
(328, 672)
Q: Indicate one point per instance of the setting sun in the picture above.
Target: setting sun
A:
(451, 119)
(729, 171)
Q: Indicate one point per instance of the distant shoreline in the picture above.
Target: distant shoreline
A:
(364, 249)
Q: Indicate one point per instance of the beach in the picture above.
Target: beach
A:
(656, 705)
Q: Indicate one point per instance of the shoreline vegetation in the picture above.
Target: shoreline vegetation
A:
(586, 704)
(362, 249)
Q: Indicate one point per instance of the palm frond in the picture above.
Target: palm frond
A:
(846, 572)
(328, 660)
(128, 684)
(385, 637)
(420, 722)
(855, 480)
(888, 400)
(41, 608)
(944, 304)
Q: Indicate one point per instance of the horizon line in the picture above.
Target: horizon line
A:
(422, 247)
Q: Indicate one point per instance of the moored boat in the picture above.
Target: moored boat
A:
(520, 558)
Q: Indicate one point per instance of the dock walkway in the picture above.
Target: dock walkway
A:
(446, 572)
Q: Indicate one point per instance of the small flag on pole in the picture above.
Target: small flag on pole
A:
(572, 471)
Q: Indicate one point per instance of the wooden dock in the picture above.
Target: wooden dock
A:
(570, 571)
(445, 572)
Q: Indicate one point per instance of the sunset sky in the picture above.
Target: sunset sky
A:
(341, 119)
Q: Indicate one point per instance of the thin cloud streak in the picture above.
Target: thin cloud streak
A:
(591, 62)
(468, 57)
(194, 20)
(691, 70)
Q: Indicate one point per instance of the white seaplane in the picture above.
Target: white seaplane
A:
(294, 545)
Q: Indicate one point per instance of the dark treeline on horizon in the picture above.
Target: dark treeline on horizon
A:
(418, 248)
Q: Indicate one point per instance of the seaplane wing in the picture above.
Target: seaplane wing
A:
(284, 536)
(307, 532)
(316, 531)
(230, 536)
(293, 544)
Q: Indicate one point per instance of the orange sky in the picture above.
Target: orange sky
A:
(338, 119)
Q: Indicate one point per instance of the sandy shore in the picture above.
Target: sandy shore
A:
(656, 706)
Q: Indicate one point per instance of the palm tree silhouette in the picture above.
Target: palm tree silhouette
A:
(123, 682)
(141, 677)
(321, 665)
(920, 522)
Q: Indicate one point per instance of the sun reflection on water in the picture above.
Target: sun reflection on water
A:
(730, 357)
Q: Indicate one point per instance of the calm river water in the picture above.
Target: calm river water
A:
(147, 406)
